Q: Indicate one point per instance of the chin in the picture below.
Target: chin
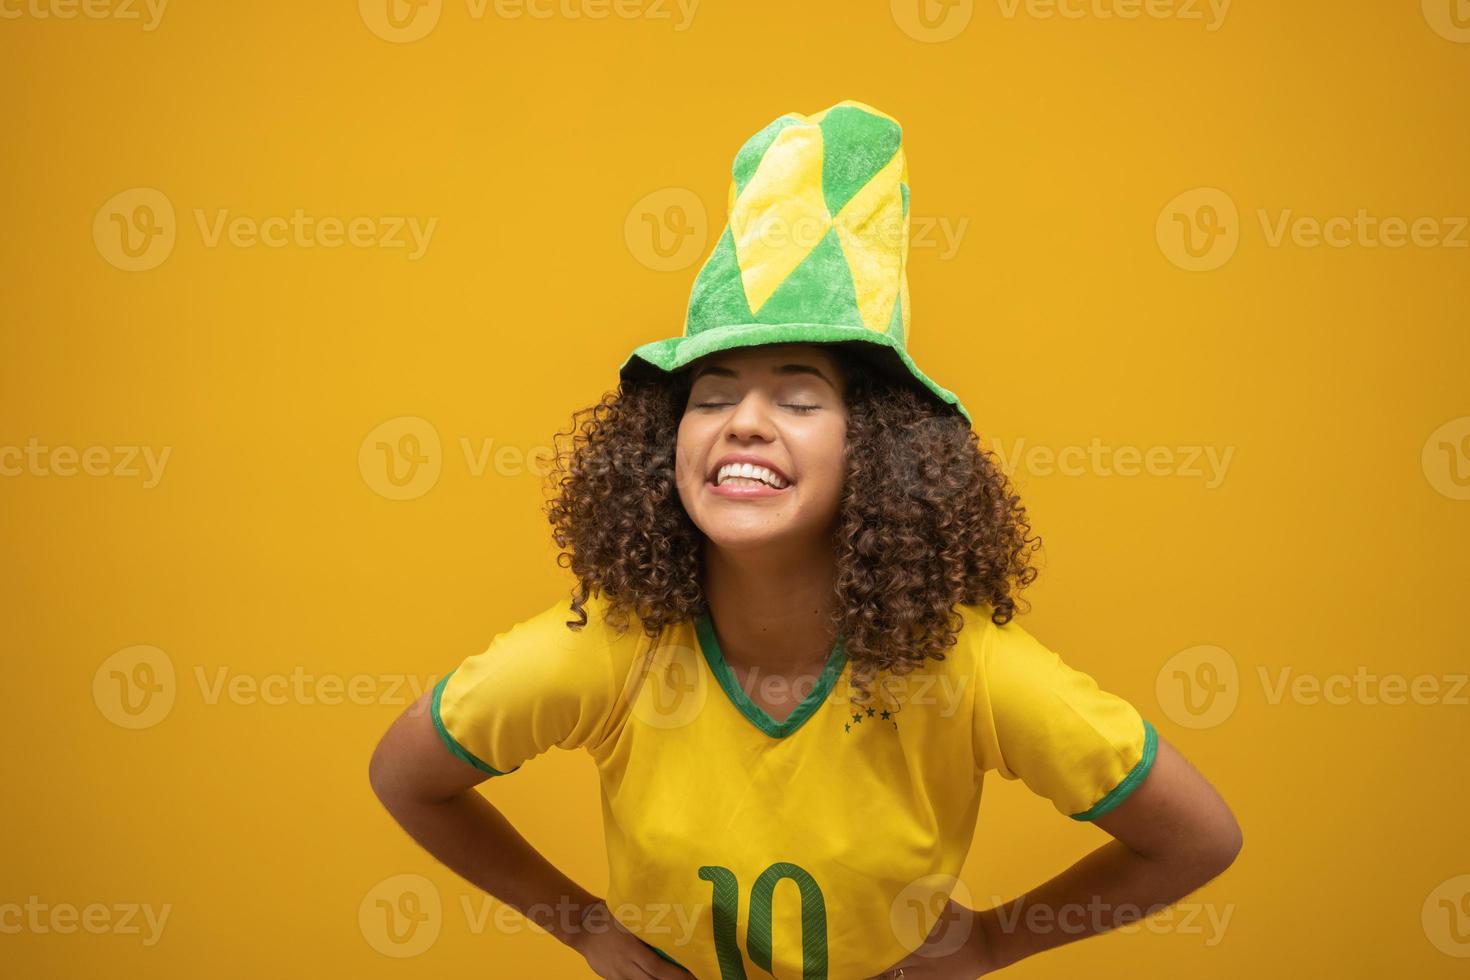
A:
(734, 537)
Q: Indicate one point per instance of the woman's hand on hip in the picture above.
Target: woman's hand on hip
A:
(957, 948)
(616, 954)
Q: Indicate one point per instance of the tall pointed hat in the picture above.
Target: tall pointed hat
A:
(815, 249)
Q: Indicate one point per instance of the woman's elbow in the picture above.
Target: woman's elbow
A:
(1227, 841)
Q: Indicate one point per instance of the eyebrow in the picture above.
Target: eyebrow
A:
(783, 369)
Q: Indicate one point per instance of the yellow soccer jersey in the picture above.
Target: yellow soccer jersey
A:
(820, 846)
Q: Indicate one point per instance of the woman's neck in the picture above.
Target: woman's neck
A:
(771, 611)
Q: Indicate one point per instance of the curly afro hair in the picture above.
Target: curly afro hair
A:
(927, 519)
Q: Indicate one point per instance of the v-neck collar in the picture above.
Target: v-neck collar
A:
(753, 712)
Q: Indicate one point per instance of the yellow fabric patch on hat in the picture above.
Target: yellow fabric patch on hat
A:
(873, 232)
(782, 214)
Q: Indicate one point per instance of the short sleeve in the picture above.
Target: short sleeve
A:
(536, 685)
(1052, 726)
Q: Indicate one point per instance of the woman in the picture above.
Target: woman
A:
(794, 657)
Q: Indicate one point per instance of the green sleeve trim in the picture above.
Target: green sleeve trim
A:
(454, 746)
(1130, 782)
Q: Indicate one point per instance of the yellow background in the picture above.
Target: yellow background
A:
(1335, 540)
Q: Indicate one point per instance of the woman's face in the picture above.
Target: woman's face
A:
(780, 406)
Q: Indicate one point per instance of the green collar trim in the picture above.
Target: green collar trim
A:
(757, 715)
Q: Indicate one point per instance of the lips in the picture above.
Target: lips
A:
(745, 491)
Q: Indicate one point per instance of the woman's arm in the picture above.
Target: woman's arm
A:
(430, 792)
(1173, 834)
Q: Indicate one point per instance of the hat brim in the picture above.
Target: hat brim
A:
(878, 349)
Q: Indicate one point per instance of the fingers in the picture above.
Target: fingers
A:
(658, 969)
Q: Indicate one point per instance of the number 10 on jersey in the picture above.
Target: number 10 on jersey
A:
(758, 930)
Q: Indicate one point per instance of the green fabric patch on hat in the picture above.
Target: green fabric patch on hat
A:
(748, 160)
(868, 142)
(819, 290)
(718, 295)
(895, 325)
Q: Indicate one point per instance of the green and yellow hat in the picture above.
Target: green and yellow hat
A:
(815, 249)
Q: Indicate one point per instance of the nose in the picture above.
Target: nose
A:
(751, 418)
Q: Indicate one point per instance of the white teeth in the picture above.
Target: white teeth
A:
(749, 471)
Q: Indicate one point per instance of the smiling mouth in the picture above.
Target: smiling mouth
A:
(748, 476)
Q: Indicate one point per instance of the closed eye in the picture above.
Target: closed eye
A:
(795, 407)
